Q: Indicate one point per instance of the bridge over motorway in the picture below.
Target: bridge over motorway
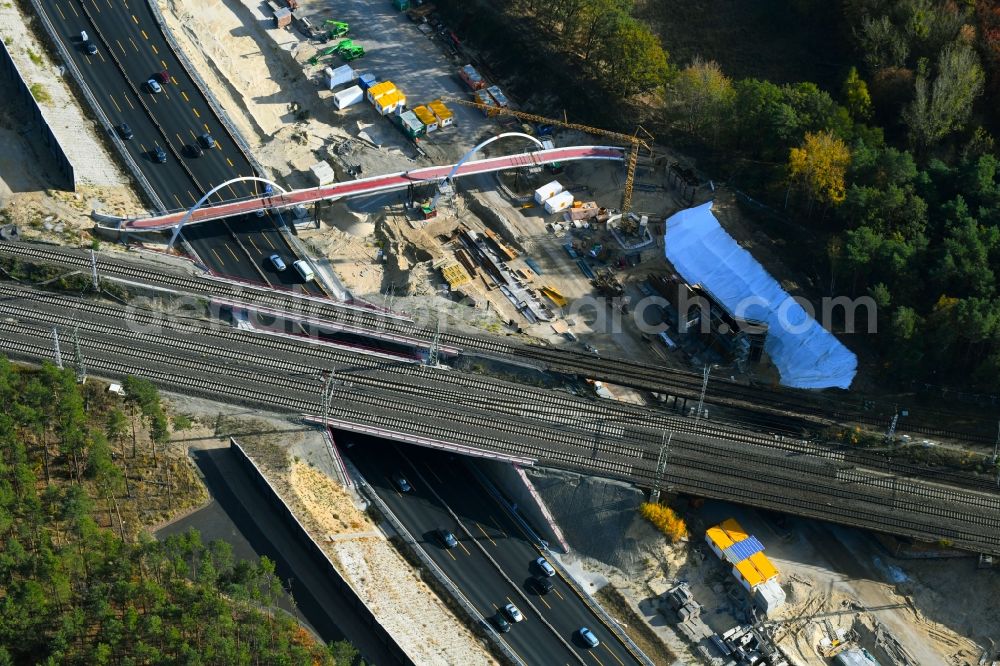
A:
(373, 184)
(482, 416)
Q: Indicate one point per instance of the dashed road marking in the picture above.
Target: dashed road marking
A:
(134, 45)
(59, 9)
(485, 534)
(218, 257)
(196, 112)
(112, 97)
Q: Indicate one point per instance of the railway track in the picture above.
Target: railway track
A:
(596, 449)
(767, 407)
(600, 417)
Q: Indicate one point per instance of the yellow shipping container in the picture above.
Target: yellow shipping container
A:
(750, 573)
(718, 537)
(389, 102)
(380, 89)
(443, 113)
(734, 530)
(426, 117)
(763, 565)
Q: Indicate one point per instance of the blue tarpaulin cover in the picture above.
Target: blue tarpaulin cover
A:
(805, 353)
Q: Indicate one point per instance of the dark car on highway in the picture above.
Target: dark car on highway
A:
(125, 132)
(447, 539)
(542, 585)
(159, 155)
(501, 623)
(401, 482)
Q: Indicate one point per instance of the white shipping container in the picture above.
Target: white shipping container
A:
(547, 191)
(348, 96)
(340, 76)
(559, 202)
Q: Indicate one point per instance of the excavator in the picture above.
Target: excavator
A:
(336, 28)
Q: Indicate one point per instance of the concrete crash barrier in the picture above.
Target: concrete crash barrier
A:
(318, 555)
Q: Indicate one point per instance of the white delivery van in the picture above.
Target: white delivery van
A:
(305, 270)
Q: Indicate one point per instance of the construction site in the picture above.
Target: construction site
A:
(641, 257)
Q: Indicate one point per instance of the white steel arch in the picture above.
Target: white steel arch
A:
(476, 149)
(240, 179)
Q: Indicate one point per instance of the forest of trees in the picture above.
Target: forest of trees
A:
(896, 171)
(889, 177)
(74, 592)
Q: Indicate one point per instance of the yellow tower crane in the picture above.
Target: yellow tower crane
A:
(633, 140)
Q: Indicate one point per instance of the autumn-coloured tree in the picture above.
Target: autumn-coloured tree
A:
(665, 519)
(819, 166)
(859, 102)
(701, 98)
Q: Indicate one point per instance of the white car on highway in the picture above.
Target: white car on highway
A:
(153, 86)
(544, 566)
(512, 613)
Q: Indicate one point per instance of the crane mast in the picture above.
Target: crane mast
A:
(635, 143)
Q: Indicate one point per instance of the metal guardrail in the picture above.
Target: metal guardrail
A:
(431, 567)
(217, 108)
(594, 607)
(109, 130)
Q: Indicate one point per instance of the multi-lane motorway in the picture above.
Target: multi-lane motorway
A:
(131, 49)
(492, 562)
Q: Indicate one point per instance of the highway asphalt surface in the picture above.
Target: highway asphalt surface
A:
(270, 534)
(439, 480)
(173, 119)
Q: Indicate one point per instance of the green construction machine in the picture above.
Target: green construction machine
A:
(322, 54)
(336, 28)
(348, 50)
